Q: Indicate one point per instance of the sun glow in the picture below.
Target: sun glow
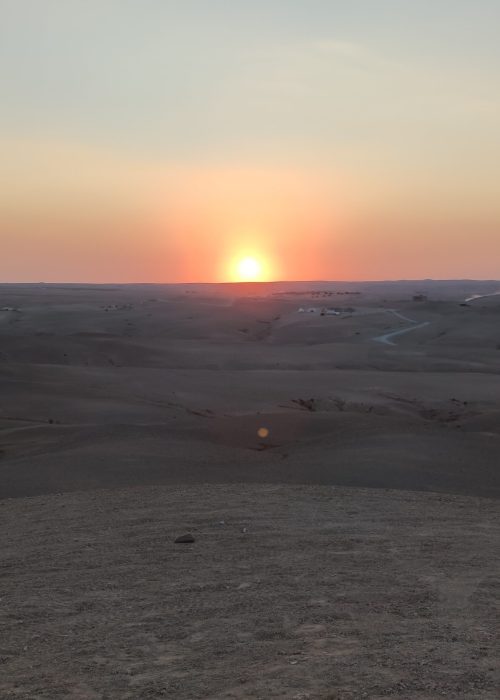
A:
(248, 269)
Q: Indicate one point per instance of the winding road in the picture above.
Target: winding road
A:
(386, 339)
(481, 296)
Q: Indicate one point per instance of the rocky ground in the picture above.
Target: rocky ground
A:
(132, 415)
(287, 592)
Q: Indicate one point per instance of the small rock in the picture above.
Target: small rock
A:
(185, 539)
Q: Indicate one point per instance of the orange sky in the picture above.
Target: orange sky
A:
(326, 140)
(80, 214)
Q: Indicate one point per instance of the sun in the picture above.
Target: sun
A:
(248, 269)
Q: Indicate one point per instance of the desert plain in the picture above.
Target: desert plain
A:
(333, 448)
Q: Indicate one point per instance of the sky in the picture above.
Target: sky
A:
(167, 140)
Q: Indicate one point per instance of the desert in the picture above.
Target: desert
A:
(249, 350)
(338, 473)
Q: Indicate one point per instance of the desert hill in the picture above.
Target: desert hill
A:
(338, 472)
(128, 385)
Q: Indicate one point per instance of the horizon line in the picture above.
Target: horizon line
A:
(255, 282)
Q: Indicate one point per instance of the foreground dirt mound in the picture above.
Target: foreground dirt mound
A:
(286, 592)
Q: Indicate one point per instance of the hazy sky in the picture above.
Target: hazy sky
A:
(161, 140)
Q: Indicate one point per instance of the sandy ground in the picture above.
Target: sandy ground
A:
(295, 447)
(118, 386)
(287, 592)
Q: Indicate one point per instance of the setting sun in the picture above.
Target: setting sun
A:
(249, 270)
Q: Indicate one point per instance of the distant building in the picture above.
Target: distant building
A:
(322, 311)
